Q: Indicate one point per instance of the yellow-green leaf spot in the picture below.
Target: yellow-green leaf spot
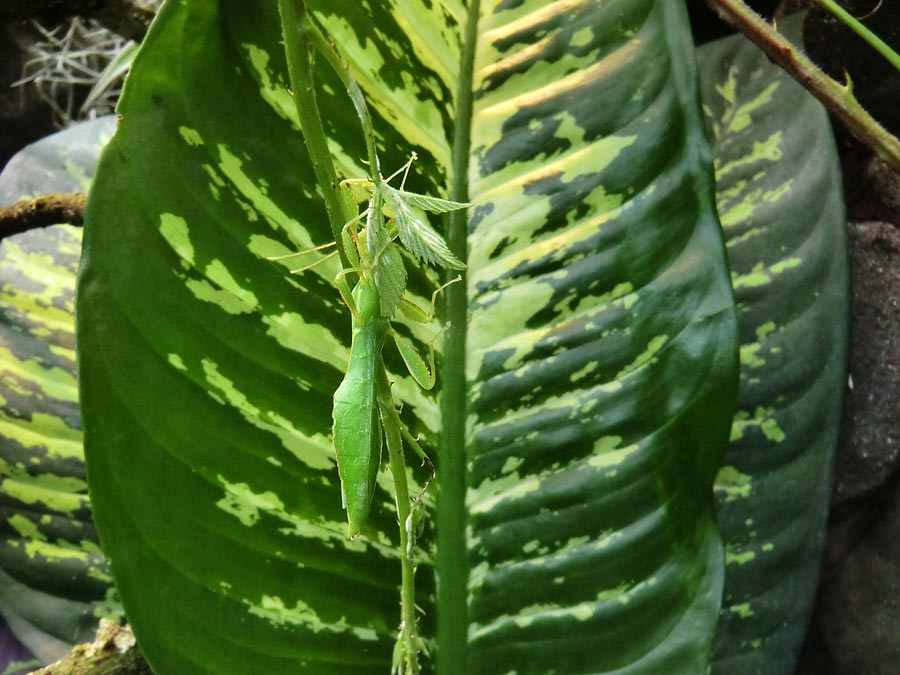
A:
(276, 94)
(728, 88)
(767, 150)
(766, 329)
(28, 529)
(582, 38)
(274, 610)
(737, 213)
(60, 494)
(44, 434)
(743, 610)
(511, 464)
(531, 546)
(294, 332)
(736, 557)
(190, 136)
(229, 295)
(756, 277)
(776, 193)
(54, 553)
(750, 356)
(313, 450)
(54, 382)
(787, 264)
(733, 484)
(584, 372)
(644, 357)
(174, 230)
(216, 182)
(607, 454)
(244, 504)
(743, 116)
(508, 316)
(177, 362)
(771, 429)
(232, 167)
(763, 419)
(491, 492)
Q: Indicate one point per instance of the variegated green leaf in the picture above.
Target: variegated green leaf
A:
(589, 371)
(596, 284)
(53, 579)
(781, 204)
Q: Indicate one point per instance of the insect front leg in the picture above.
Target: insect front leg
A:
(415, 312)
(421, 369)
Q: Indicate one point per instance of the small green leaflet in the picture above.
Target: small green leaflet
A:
(415, 232)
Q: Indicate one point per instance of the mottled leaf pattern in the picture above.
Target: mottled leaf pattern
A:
(600, 346)
(601, 370)
(53, 579)
(781, 204)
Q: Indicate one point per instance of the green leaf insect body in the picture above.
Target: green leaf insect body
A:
(363, 405)
(357, 424)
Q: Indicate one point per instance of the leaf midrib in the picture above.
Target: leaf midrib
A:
(452, 569)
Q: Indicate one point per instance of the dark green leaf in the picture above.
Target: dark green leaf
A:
(780, 200)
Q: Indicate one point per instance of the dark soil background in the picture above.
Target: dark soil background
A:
(855, 629)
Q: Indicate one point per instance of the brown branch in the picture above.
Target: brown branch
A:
(128, 18)
(62, 207)
(839, 99)
(113, 652)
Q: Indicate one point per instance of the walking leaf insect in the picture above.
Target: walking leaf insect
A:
(363, 406)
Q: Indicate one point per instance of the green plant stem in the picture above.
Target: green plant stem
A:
(409, 637)
(452, 555)
(342, 68)
(837, 98)
(857, 27)
(299, 35)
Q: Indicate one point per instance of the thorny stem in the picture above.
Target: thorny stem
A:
(857, 27)
(836, 97)
(409, 637)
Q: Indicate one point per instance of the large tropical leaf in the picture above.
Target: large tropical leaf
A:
(780, 200)
(589, 375)
(53, 580)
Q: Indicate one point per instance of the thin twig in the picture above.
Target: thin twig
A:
(838, 98)
(53, 209)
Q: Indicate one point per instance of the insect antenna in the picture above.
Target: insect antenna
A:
(273, 258)
(404, 170)
(300, 270)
